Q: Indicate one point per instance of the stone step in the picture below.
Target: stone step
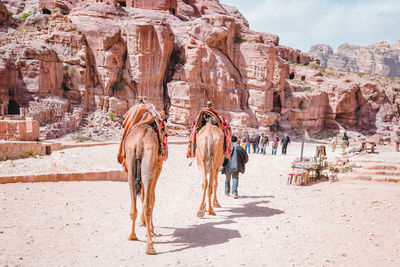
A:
(380, 166)
(369, 177)
(387, 172)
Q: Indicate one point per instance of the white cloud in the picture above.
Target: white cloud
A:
(301, 24)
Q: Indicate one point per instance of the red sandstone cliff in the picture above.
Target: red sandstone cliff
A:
(72, 57)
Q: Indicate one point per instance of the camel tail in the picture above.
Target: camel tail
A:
(137, 172)
(209, 153)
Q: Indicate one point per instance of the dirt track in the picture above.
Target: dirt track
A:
(87, 223)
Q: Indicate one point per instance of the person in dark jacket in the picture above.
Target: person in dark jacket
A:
(345, 141)
(284, 143)
(256, 143)
(234, 165)
(247, 142)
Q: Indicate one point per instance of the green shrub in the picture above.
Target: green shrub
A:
(112, 115)
(361, 74)
(119, 86)
(31, 153)
(25, 15)
(79, 137)
(239, 39)
(350, 168)
(309, 89)
(317, 67)
(11, 13)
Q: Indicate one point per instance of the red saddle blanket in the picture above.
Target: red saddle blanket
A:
(144, 114)
(200, 121)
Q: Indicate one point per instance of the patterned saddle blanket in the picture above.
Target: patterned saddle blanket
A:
(214, 117)
(144, 114)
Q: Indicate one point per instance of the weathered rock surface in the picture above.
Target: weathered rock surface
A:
(5, 16)
(71, 58)
(381, 58)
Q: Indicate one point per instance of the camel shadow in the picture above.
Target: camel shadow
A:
(244, 197)
(202, 235)
(208, 234)
(253, 209)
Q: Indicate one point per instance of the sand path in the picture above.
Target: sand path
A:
(271, 224)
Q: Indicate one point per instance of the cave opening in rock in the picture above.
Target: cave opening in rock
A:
(303, 78)
(122, 3)
(291, 76)
(277, 104)
(173, 11)
(13, 108)
(45, 11)
(298, 60)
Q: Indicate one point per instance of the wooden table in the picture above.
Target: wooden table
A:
(371, 146)
(315, 169)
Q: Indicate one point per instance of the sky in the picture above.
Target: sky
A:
(303, 23)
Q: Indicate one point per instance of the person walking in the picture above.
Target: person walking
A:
(345, 141)
(233, 166)
(284, 143)
(275, 144)
(264, 143)
(334, 144)
(246, 140)
(256, 142)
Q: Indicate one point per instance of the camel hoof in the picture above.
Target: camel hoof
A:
(132, 237)
(200, 213)
(217, 205)
(152, 234)
(211, 212)
(142, 224)
(151, 251)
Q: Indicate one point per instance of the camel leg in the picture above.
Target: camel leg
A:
(133, 212)
(201, 211)
(215, 201)
(142, 221)
(210, 190)
(147, 212)
(153, 200)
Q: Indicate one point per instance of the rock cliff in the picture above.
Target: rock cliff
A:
(381, 58)
(65, 59)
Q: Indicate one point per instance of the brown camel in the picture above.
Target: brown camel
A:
(210, 155)
(144, 163)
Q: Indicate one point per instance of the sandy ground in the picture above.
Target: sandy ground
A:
(271, 224)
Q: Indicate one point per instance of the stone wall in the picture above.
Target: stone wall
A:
(19, 130)
(17, 150)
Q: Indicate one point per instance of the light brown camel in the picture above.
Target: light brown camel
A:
(144, 164)
(210, 155)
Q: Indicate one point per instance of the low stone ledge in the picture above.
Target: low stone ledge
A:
(119, 176)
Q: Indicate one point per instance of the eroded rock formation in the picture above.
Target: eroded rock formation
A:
(72, 57)
(381, 58)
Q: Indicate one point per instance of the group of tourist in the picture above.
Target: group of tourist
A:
(242, 144)
(258, 142)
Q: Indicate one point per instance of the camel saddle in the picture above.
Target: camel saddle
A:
(215, 118)
(144, 113)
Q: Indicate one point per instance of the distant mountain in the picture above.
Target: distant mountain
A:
(381, 58)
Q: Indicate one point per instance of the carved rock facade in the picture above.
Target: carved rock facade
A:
(73, 57)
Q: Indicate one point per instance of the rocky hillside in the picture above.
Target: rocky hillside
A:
(64, 59)
(380, 58)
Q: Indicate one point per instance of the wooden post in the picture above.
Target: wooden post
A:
(302, 148)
